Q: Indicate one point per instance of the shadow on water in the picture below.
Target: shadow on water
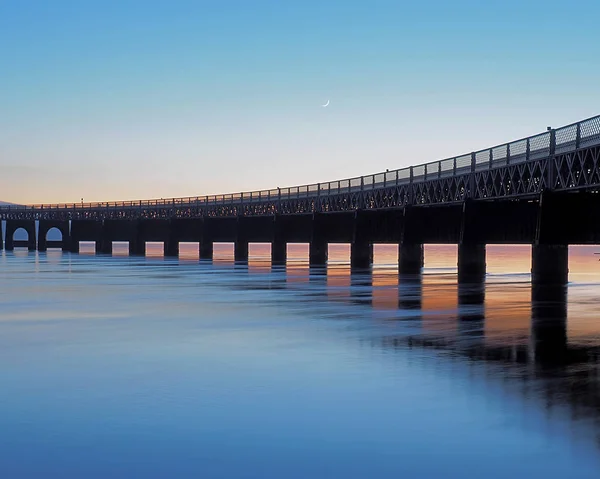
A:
(544, 366)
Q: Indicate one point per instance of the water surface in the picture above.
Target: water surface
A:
(112, 366)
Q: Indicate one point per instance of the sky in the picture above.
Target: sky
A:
(126, 99)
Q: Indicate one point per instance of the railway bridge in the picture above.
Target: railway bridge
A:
(541, 190)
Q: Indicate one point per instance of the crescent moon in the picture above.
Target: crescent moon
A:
(326, 104)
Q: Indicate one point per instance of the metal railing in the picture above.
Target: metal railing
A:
(582, 134)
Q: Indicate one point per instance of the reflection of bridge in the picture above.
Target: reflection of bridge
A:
(548, 368)
(541, 190)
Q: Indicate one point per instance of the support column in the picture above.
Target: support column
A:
(206, 249)
(137, 247)
(361, 248)
(317, 249)
(171, 247)
(279, 243)
(240, 250)
(42, 244)
(66, 242)
(137, 243)
(317, 252)
(278, 252)
(361, 254)
(104, 245)
(206, 242)
(471, 263)
(411, 258)
(550, 264)
(32, 240)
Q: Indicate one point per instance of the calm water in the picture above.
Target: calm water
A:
(153, 367)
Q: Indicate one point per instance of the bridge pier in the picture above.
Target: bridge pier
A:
(471, 263)
(137, 247)
(47, 225)
(171, 242)
(411, 258)
(279, 243)
(14, 225)
(550, 264)
(361, 254)
(206, 249)
(361, 248)
(278, 252)
(317, 252)
(104, 246)
(240, 250)
(171, 248)
(241, 243)
(85, 230)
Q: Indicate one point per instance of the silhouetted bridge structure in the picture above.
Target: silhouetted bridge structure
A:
(541, 190)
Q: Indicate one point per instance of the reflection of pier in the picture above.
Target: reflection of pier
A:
(548, 368)
(540, 363)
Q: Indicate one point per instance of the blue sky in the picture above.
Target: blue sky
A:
(127, 99)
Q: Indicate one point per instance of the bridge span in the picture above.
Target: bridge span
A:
(541, 190)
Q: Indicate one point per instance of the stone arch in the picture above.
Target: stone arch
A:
(14, 236)
(46, 240)
(53, 232)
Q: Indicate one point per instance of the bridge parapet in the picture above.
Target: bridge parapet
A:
(563, 159)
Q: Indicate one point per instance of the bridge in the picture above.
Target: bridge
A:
(541, 190)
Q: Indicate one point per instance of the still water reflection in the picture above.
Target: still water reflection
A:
(113, 366)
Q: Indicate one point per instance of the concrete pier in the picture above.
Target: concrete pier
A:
(240, 250)
(471, 263)
(278, 252)
(206, 250)
(317, 252)
(361, 254)
(411, 258)
(550, 264)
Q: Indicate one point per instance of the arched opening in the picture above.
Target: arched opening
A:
(20, 238)
(54, 234)
(20, 234)
(53, 239)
